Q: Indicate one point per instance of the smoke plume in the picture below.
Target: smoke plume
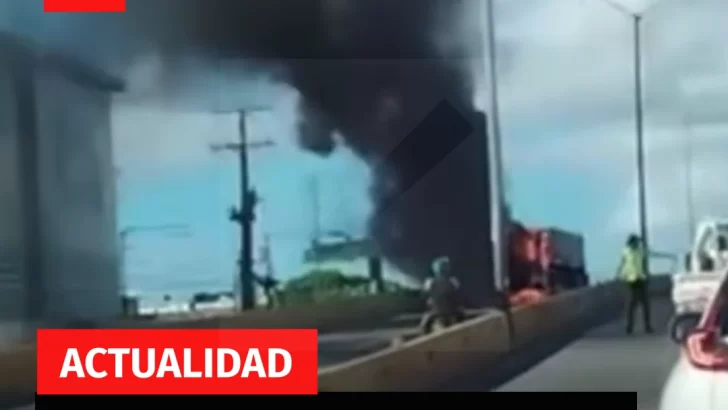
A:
(371, 71)
(368, 71)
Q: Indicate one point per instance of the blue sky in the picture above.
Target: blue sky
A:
(200, 193)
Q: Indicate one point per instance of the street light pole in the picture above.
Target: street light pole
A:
(687, 119)
(498, 222)
(636, 19)
(639, 130)
(690, 205)
(500, 268)
(245, 214)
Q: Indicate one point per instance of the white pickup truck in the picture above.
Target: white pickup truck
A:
(704, 267)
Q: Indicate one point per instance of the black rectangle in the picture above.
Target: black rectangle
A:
(431, 141)
(562, 401)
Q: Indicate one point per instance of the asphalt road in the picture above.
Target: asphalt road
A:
(605, 360)
(340, 347)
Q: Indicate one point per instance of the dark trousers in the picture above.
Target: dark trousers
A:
(638, 296)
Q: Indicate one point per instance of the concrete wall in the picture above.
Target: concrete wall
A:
(80, 273)
(11, 211)
(57, 205)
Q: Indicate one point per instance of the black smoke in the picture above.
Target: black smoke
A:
(370, 71)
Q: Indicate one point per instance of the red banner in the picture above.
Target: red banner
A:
(222, 361)
(84, 6)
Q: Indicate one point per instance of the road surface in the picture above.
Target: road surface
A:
(339, 347)
(608, 360)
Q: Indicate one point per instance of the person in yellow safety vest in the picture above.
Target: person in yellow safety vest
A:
(632, 271)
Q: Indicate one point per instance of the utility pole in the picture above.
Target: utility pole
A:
(244, 215)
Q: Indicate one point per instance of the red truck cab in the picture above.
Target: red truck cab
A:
(549, 259)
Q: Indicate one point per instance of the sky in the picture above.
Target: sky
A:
(566, 86)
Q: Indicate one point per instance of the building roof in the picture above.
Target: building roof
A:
(341, 251)
(72, 67)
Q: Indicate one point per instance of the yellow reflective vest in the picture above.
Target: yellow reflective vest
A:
(633, 265)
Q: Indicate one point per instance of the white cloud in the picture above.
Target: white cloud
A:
(704, 163)
(567, 102)
(156, 138)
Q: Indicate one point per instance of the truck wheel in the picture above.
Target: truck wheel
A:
(680, 324)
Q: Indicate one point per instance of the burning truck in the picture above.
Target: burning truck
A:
(544, 261)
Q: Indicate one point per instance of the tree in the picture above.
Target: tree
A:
(324, 284)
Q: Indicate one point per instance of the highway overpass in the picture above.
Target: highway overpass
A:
(57, 194)
(587, 351)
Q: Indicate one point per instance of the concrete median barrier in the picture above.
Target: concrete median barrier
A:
(532, 322)
(429, 361)
(421, 362)
(660, 285)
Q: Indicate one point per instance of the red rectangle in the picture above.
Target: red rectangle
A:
(84, 6)
(111, 361)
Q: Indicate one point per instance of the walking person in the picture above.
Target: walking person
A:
(270, 290)
(632, 272)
